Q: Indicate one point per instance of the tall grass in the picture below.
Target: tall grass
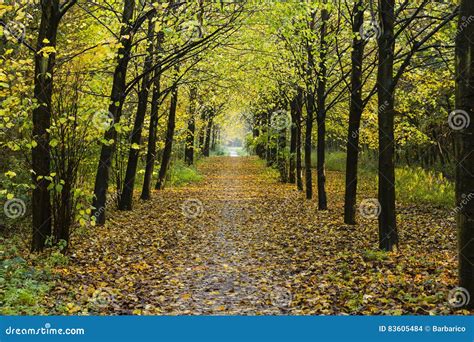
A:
(413, 184)
(417, 185)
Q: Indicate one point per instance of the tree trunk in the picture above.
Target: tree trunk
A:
(293, 142)
(115, 110)
(463, 122)
(126, 198)
(63, 225)
(355, 114)
(189, 144)
(281, 159)
(321, 114)
(202, 131)
(310, 107)
(388, 236)
(299, 111)
(43, 90)
(308, 145)
(215, 131)
(207, 142)
(153, 128)
(165, 162)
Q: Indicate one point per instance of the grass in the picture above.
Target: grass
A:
(181, 174)
(417, 185)
(413, 184)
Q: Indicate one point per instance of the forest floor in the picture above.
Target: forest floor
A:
(240, 242)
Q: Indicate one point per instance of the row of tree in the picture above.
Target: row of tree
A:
(103, 73)
(354, 56)
(332, 50)
(122, 86)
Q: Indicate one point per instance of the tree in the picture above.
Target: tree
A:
(166, 158)
(190, 134)
(115, 110)
(388, 235)
(180, 52)
(45, 58)
(126, 197)
(321, 110)
(298, 116)
(386, 86)
(153, 126)
(310, 107)
(462, 120)
(355, 114)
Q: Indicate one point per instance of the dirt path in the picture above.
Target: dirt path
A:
(239, 242)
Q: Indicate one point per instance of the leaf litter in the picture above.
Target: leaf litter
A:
(249, 245)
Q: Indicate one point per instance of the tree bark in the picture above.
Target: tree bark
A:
(463, 121)
(207, 141)
(166, 158)
(388, 235)
(189, 144)
(299, 111)
(281, 159)
(115, 110)
(126, 198)
(215, 131)
(308, 145)
(321, 113)
(355, 114)
(153, 128)
(293, 142)
(43, 90)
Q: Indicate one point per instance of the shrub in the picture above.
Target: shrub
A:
(23, 286)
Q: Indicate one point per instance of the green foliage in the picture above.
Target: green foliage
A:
(413, 184)
(181, 174)
(219, 151)
(23, 286)
(336, 161)
(420, 186)
(241, 152)
(373, 255)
